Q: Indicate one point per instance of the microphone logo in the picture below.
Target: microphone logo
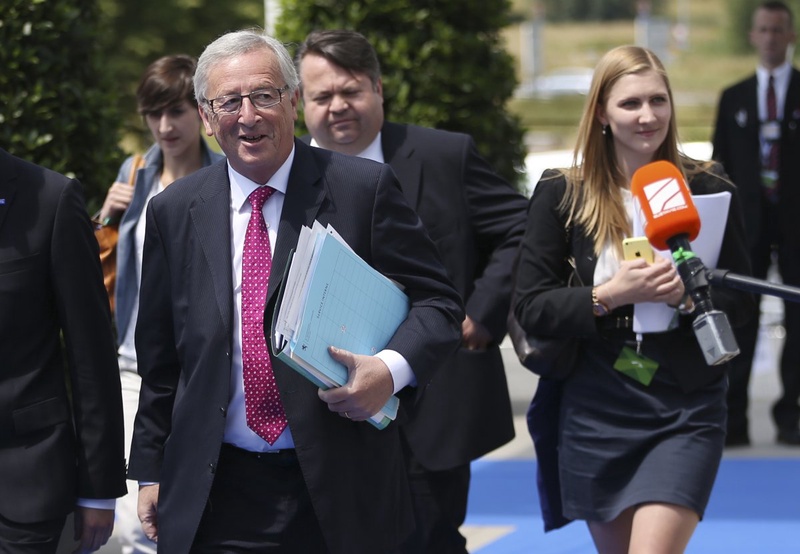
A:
(665, 196)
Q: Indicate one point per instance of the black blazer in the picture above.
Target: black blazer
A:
(544, 306)
(476, 220)
(354, 473)
(737, 147)
(52, 294)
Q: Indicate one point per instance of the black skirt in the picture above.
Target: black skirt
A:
(622, 443)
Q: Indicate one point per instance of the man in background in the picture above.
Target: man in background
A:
(476, 220)
(757, 140)
(61, 435)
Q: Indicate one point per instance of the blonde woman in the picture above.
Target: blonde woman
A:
(637, 454)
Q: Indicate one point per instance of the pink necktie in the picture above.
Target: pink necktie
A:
(263, 408)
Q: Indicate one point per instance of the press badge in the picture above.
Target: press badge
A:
(636, 366)
(771, 130)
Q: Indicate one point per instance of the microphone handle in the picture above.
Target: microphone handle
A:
(750, 284)
(711, 327)
(692, 271)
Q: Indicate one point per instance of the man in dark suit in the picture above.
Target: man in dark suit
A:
(298, 470)
(61, 437)
(476, 220)
(757, 139)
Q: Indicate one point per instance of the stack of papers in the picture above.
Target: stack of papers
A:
(331, 297)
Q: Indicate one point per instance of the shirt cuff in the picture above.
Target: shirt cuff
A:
(97, 503)
(401, 372)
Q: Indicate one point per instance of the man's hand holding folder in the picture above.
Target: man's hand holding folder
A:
(369, 386)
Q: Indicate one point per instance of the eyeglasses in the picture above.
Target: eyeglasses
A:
(261, 99)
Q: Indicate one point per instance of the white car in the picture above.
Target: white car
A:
(560, 82)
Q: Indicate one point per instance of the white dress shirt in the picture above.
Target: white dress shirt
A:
(236, 430)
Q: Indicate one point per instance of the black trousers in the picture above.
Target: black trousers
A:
(259, 503)
(440, 507)
(30, 538)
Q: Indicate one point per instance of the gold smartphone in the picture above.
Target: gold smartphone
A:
(634, 248)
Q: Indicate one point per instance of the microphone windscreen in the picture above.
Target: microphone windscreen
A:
(666, 203)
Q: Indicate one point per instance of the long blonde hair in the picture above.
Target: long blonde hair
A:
(594, 182)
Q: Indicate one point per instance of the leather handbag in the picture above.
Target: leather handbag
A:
(548, 357)
(107, 235)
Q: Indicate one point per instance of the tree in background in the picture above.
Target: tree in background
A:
(57, 104)
(442, 62)
(597, 10)
(145, 30)
(70, 70)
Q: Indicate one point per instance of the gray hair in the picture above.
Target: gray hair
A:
(235, 44)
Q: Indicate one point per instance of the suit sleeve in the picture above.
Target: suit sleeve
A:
(542, 303)
(497, 216)
(402, 250)
(157, 359)
(84, 314)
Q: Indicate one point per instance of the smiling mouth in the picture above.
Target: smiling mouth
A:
(252, 138)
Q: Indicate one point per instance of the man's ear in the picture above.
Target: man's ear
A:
(206, 123)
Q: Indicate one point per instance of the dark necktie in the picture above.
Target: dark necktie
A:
(263, 407)
(771, 157)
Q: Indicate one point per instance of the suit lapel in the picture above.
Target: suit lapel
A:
(751, 104)
(211, 208)
(791, 106)
(304, 195)
(397, 152)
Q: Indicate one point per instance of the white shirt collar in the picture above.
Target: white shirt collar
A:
(780, 73)
(372, 152)
(241, 186)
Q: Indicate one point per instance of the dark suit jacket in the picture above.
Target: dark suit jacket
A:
(354, 472)
(737, 147)
(476, 220)
(51, 288)
(544, 306)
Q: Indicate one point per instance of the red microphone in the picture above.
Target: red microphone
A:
(671, 221)
(666, 203)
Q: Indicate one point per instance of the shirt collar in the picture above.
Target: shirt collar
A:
(241, 186)
(781, 75)
(372, 152)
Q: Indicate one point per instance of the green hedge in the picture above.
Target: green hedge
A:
(442, 61)
(57, 104)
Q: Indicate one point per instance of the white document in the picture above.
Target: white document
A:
(651, 317)
(330, 296)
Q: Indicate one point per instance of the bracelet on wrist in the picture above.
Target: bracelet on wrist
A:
(686, 306)
(599, 308)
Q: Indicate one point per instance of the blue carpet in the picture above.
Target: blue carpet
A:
(754, 509)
